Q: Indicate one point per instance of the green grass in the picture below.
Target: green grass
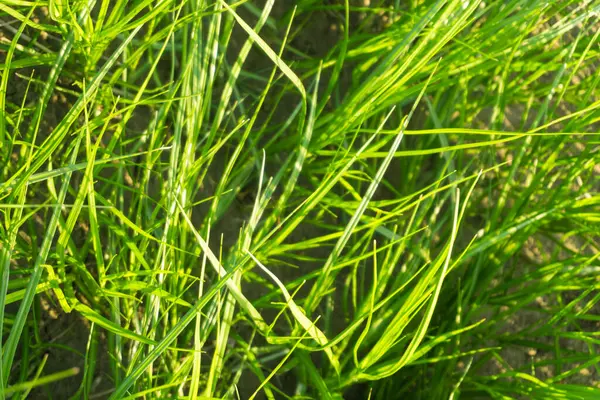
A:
(342, 199)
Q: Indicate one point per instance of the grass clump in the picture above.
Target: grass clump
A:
(377, 199)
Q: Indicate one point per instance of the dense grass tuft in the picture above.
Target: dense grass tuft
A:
(326, 199)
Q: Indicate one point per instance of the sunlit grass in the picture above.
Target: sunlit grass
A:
(232, 209)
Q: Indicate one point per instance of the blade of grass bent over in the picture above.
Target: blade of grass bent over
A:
(300, 317)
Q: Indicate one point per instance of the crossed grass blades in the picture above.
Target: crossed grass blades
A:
(423, 206)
